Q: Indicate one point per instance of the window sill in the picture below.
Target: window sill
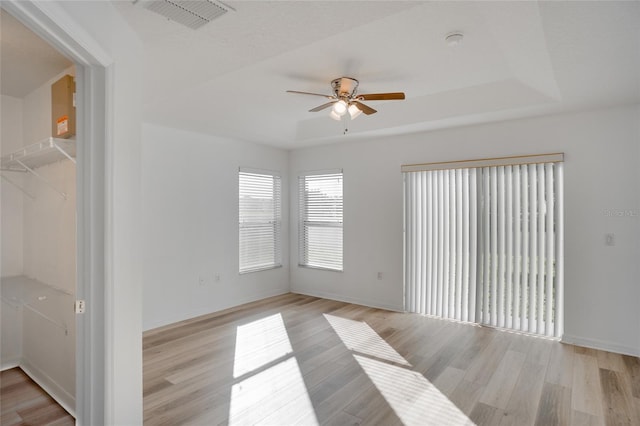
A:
(266, 268)
(320, 268)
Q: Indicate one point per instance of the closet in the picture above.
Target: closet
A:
(38, 219)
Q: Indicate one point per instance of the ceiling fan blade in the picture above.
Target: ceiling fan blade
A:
(364, 108)
(309, 93)
(382, 96)
(323, 106)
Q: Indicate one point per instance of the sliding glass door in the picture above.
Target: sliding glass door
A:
(483, 242)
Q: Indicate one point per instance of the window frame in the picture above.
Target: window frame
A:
(305, 224)
(275, 221)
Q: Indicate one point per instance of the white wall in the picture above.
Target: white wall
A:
(190, 224)
(602, 172)
(11, 345)
(49, 220)
(101, 30)
(11, 204)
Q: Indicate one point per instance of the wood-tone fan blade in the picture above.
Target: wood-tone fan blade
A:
(309, 93)
(364, 108)
(323, 106)
(382, 96)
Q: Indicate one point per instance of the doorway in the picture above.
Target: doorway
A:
(92, 86)
(38, 210)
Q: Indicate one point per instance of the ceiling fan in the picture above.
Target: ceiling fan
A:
(346, 98)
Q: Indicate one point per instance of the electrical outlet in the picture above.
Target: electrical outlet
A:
(610, 239)
(379, 275)
(79, 307)
(216, 277)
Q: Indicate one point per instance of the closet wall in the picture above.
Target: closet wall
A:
(38, 246)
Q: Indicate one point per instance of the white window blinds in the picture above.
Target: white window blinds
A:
(484, 244)
(260, 220)
(320, 233)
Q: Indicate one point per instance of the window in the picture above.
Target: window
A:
(260, 220)
(483, 242)
(320, 234)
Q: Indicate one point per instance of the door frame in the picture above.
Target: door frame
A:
(94, 85)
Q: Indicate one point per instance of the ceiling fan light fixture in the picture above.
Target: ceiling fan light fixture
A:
(340, 107)
(335, 116)
(354, 111)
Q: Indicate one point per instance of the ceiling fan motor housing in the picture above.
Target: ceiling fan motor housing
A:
(344, 87)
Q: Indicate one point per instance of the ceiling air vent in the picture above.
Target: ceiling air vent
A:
(190, 13)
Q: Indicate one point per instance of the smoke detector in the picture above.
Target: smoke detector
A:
(454, 38)
(190, 13)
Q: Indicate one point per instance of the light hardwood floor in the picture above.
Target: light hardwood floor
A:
(295, 359)
(23, 402)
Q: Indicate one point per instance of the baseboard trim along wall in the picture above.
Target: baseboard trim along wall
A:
(9, 364)
(355, 301)
(62, 397)
(183, 316)
(601, 345)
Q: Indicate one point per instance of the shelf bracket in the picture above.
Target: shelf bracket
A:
(63, 152)
(42, 179)
(20, 188)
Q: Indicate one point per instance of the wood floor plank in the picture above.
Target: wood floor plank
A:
(434, 365)
(540, 351)
(617, 410)
(555, 406)
(483, 414)
(327, 404)
(633, 368)
(368, 399)
(342, 419)
(578, 418)
(582, 350)
(586, 393)
(448, 381)
(402, 369)
(525, 397)
(499, 389)
(610, 361)
(560, 367)
(23, 402)
(486, 362)
(466, 395)
(477, 343)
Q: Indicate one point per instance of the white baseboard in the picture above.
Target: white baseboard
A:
(206, 311)
(9, 364)
(346, 299)
(601, 345)
(62, 397)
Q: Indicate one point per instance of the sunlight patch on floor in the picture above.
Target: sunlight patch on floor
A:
(411, 396)
(275, 396)
(259, 343)
(358, 336)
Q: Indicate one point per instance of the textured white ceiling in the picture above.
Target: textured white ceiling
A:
(517, 59)
(27, 61)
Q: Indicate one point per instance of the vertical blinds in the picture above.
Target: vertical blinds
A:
(484, 244)
(320, 233)
(260, 220)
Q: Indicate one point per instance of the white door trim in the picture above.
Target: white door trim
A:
(53, 24)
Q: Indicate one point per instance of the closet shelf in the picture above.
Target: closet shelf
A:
(41, 298)
(39, 154)
(36, 155)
